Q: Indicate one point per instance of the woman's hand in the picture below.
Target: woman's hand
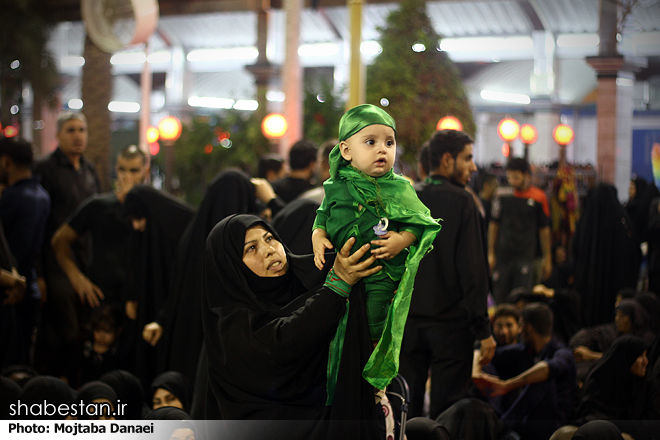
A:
(349, 267)
(263, 190)
(152, 333)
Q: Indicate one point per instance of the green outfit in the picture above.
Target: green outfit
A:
(353, 204)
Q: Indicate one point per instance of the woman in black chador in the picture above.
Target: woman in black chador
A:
(268, 321)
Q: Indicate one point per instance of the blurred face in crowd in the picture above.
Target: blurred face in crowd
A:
(139, 223)
(464, 165)
(506, 330)
(162, 397)
(517, 179)
(623, 322)
(639, 367)
(263, 254)
(72, 137)
(131, 172)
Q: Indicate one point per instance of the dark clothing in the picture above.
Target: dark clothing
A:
(520, 219)
(59, 337)
(10, 326)
(231, 192)
(177, 384)
(653, 236)
(267, 339)
(152, 261)
(93, 365)
(24, 210)
(451, 288)
(129, 391)
(102, 216)
(294, 225)
(538, 409)
(288, 188)
(606, 254)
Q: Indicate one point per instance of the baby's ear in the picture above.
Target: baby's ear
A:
(345, 151)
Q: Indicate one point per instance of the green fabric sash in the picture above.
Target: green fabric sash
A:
(392, 196)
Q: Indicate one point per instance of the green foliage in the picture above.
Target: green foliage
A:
(321, 119)
(421, 87)
(201, 152)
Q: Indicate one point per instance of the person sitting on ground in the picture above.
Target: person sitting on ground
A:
(171, 389)
(506, 324)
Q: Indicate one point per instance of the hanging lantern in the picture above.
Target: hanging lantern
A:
(449, 123)
(274, 126)
(508, 129)
(528, 134)
(169, 128)
(563, 134)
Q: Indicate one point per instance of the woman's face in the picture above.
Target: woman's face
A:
(263, 254)
(632, 190)
(639, 367)
(623, 323)
(162, 397)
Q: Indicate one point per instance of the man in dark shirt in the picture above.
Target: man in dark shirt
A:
(102, 216)
(531, 385)
(24, 209)
(448, 311)
(518, 232)
(302, 161)
(69, 178)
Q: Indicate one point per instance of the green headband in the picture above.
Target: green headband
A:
(362, 116)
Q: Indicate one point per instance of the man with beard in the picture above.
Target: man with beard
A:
(448, 312)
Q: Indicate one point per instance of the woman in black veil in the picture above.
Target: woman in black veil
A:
(606, 254)
(268, 321)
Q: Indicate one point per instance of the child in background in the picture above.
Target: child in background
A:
(366, 200)
(102, 353)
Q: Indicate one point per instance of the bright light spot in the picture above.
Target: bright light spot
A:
(128, 58)
(208, 148)
(15, 64)
(384, 102)
(370, 48)
(203, 101)
(38, 125)
(275, 96)
(318, 50)
(472, 44)
(320, 98)
(75, 104)
(159, 57)
(152, 134)
(578, 40)
(235, 53)
(123, 107)
(226, 143)
(625, 82)
(72, 62)
(515, 98)
(418, 47)
(246, 104)
(13, 110)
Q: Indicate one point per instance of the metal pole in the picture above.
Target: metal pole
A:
(356, 95)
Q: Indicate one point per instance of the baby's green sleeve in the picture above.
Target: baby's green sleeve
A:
(322, 214)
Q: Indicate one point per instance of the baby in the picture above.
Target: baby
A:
(366, 200)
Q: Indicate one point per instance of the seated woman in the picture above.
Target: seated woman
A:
(268, 322)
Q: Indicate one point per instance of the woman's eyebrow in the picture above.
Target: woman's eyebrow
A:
(248, 242)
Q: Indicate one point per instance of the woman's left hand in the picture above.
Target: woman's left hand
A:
(349, 267)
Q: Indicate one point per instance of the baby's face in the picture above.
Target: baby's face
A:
(371, 150)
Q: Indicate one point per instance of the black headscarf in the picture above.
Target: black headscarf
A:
(640, 321)
(611, 391)
(638, 207)
(231, 192)
(177, 384)
(168, 413)
(96, 390)
(606, 254)
(598, 430)
(267, 339)
(129, 390)
(294, 224)
(9, 392)
(153, 254)
(50, 389)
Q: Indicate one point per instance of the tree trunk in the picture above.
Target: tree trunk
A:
(96, 94)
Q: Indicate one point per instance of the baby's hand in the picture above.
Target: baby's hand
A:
(320, 243)
(391, 244)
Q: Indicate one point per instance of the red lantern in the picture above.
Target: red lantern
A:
(169, 128)
(508, 129)
(274, 126)
(528, 134)
(449, 123)
(563, 134)
(10, 131)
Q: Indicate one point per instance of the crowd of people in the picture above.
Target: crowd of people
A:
(280, 299)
